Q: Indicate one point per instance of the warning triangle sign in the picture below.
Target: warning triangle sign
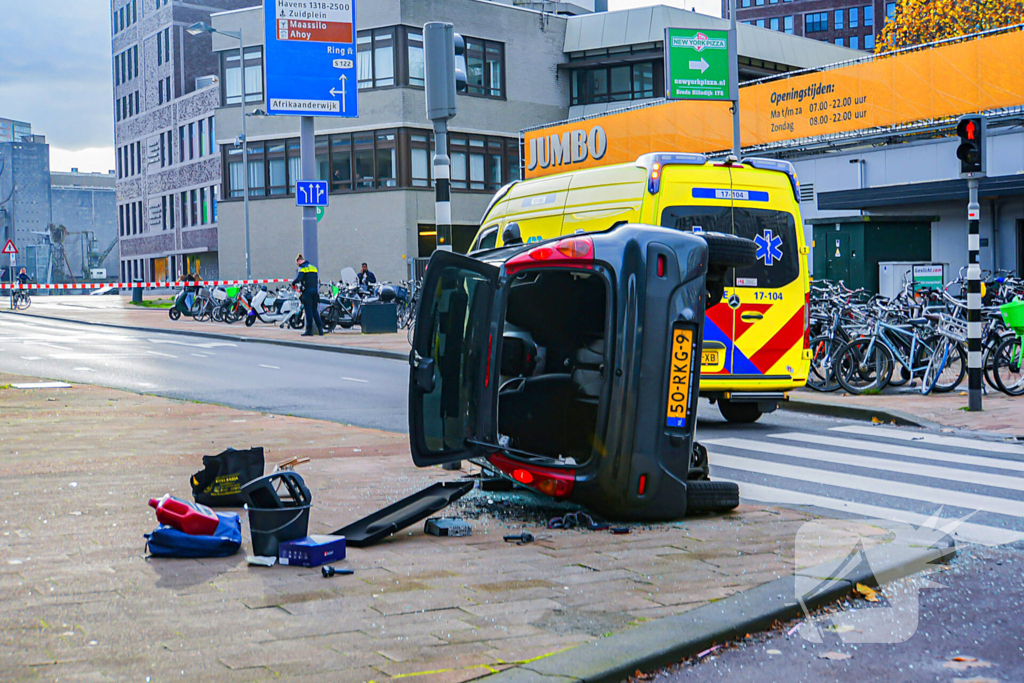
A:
(9, 248)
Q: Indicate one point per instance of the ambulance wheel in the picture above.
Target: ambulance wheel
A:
(739, 413)
(712, 496)
(729, 251)
(174, 313)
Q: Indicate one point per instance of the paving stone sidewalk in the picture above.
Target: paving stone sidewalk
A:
(82, 601)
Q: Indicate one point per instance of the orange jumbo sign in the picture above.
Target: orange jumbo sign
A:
(947, 80)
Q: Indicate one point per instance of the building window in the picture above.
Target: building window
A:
(191, 141)
(232, 72)
(421, 151)
(854, 17)
(746, 3)
(257, 180)
(838, 19)
(615, 84)
(840, 42)
(869, 41)
(890, 11)
(815, 23)
(855, 42)
(202, 137)
(869, 16)
(212, 144)
(788, 23)
(159, 48)
(184, 209)
(760, 23)
(485, 68)
(774, 25)
(277, 166)
(414, 41)
(167, 44)
(376, 58)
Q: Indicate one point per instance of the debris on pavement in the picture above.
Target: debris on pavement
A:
(261, 560)
(448, 526)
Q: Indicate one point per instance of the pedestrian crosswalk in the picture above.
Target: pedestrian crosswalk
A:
(874, 472)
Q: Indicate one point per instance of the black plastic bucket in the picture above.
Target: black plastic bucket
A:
(268, 527)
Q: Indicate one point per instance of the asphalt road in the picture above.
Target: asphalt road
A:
(839, 467)
(358, 390)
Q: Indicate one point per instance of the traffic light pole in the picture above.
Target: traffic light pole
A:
(973, 298)
(442, 187)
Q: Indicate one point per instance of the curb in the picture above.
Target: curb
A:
(352, 350)
(887, 415)
(670, 640)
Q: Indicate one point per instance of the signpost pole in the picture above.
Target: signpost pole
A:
(734, 79)
(14, 263)
(245, 162)
(442, 187)
(307, 153)
(973, 298)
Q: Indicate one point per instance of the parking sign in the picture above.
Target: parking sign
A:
(310, 55)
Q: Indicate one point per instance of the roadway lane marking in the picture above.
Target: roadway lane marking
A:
(53, 346)
(855, 482)
(964, 531)
(893, 449)
(201, 355)
(935, 439)
(197, 345)
(272, 367)
(353, 379)
(31, 358)
(165, 355)
(84, 369)
(916, 469)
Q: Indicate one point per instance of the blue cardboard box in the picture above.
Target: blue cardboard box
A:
(312, 551)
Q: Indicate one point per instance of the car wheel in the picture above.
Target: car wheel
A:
(712, 496)
(729, 251)
(739, 413)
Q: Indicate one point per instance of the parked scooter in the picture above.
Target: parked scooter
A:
(283, 308)
(184, 302)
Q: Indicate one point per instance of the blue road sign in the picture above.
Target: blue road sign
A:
(311, 193)
(310, 57)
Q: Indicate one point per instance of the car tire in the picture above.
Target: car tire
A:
(729, 251)
(712, 496)
(739, 413)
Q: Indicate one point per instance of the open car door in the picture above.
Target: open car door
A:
(448, 395)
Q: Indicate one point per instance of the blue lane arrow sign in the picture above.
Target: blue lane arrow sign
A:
(311, 193)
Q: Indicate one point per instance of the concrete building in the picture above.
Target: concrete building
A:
(86, 205)
(167, 166)
(525, 67)
(14, 131)
(24, 192)
(849, 23)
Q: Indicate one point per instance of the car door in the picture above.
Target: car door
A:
(450, 360)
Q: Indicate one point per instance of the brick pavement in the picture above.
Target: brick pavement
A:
(82, 602)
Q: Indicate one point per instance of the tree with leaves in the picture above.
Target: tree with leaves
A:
(924, 21)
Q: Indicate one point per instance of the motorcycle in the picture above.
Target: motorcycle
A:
(282, 308)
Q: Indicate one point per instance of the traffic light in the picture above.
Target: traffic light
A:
(971, 151)
(460, 64)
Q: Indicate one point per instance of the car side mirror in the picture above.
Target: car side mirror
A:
(511, 236)
(423, 374)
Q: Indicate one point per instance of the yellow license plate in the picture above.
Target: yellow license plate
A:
(712, 357)
(709, 358)
(680, 369)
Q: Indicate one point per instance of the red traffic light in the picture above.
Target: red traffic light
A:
(971, 151)
(969, 128)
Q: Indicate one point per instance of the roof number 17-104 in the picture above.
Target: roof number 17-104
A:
(767, 296)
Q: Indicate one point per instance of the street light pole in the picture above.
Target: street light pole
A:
(245, 158)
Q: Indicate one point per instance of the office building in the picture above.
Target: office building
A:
(856, 24)
(525, 66)
(14, 131)
(24, 192)
(85, 204)
(167, 166)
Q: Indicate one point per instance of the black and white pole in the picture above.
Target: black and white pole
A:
(973, 298)
(442, 187)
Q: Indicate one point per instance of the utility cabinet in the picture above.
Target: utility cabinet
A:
(850, 248)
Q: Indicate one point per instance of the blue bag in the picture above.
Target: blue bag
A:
(168, 542)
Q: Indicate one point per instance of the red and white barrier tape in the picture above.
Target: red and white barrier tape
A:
(143, 285)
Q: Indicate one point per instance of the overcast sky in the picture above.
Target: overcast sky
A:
(55, 73)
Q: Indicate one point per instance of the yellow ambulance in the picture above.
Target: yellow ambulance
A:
(756, 345)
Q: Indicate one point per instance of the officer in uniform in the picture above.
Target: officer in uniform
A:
(309, 280)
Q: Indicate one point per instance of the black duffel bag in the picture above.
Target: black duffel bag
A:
(220, 482)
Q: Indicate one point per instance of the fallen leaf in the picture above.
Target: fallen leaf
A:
(870, 594)
(876, 421)
(964, 663)
(834, 656)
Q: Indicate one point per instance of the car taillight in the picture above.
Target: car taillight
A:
(807, 320)
(549, 481)
(570, 252)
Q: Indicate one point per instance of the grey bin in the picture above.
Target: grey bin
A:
(379, 318)
(137, 293)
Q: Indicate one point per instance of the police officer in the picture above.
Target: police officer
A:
(308, 278)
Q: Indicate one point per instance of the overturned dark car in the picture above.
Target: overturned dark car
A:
(572, 366)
